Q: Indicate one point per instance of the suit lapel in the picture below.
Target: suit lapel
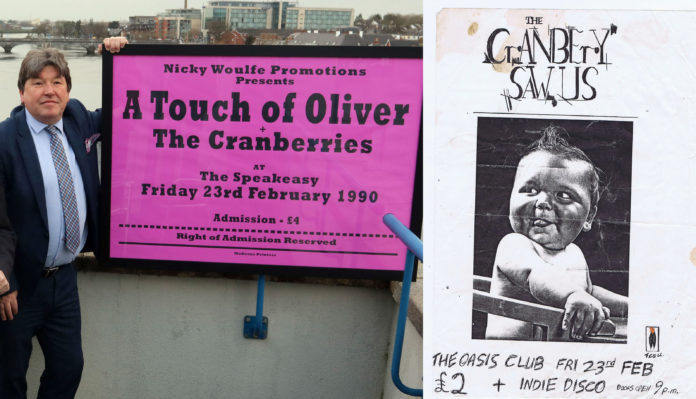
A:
(75, 139)
(31, 162)
(77, 143)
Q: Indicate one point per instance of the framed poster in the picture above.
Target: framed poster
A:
(261, 159)
(560, 187)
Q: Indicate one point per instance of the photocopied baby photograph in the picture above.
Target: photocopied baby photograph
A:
(552, 229)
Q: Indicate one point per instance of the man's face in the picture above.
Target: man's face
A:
(550, 200)
(46, 96)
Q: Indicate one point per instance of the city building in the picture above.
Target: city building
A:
(313, 18)
(141, 23)
(178, 24)
(349, 37)
(281, 15)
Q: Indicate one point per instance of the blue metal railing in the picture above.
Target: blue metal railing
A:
(256, 327)
(415, 247)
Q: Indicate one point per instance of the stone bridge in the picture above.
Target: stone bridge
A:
(88, 44)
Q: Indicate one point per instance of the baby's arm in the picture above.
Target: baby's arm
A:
(584, 314)
(617, 304)
(518, 260)
(550, 284)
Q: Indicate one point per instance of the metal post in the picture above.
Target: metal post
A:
(256, 327)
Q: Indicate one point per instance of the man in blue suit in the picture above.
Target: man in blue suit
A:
(48, 167)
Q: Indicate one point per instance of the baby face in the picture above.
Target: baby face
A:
(550, 200)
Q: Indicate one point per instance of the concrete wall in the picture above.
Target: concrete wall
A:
(148, 336)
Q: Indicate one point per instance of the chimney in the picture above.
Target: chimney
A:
(185, 4)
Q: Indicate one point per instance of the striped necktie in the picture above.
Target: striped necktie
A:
(67, 190)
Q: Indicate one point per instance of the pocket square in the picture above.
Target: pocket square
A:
(90, 141)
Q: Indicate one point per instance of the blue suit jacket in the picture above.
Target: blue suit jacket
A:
(24, 188)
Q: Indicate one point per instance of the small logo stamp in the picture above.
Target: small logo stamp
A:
(652, 339)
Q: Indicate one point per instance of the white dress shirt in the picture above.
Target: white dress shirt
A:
(58, 254)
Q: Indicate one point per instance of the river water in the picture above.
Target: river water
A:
(85, 71)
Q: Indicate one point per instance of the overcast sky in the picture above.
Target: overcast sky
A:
(101, 10)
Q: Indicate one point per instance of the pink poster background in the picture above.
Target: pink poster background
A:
(148, 225)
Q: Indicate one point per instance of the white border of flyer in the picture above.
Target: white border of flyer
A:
(603, 101)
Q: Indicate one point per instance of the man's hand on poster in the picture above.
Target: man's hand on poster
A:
(8, 306)
(113, 44)
(584, 314)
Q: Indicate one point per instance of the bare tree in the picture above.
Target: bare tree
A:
(65, 28)
(398, 23)
(359, 21)
(43, 29)
(95, 29)
(216, 29)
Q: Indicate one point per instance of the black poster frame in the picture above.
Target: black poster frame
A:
(104, 255)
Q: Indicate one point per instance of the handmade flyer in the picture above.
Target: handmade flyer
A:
(272, 158)
(561, 207)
